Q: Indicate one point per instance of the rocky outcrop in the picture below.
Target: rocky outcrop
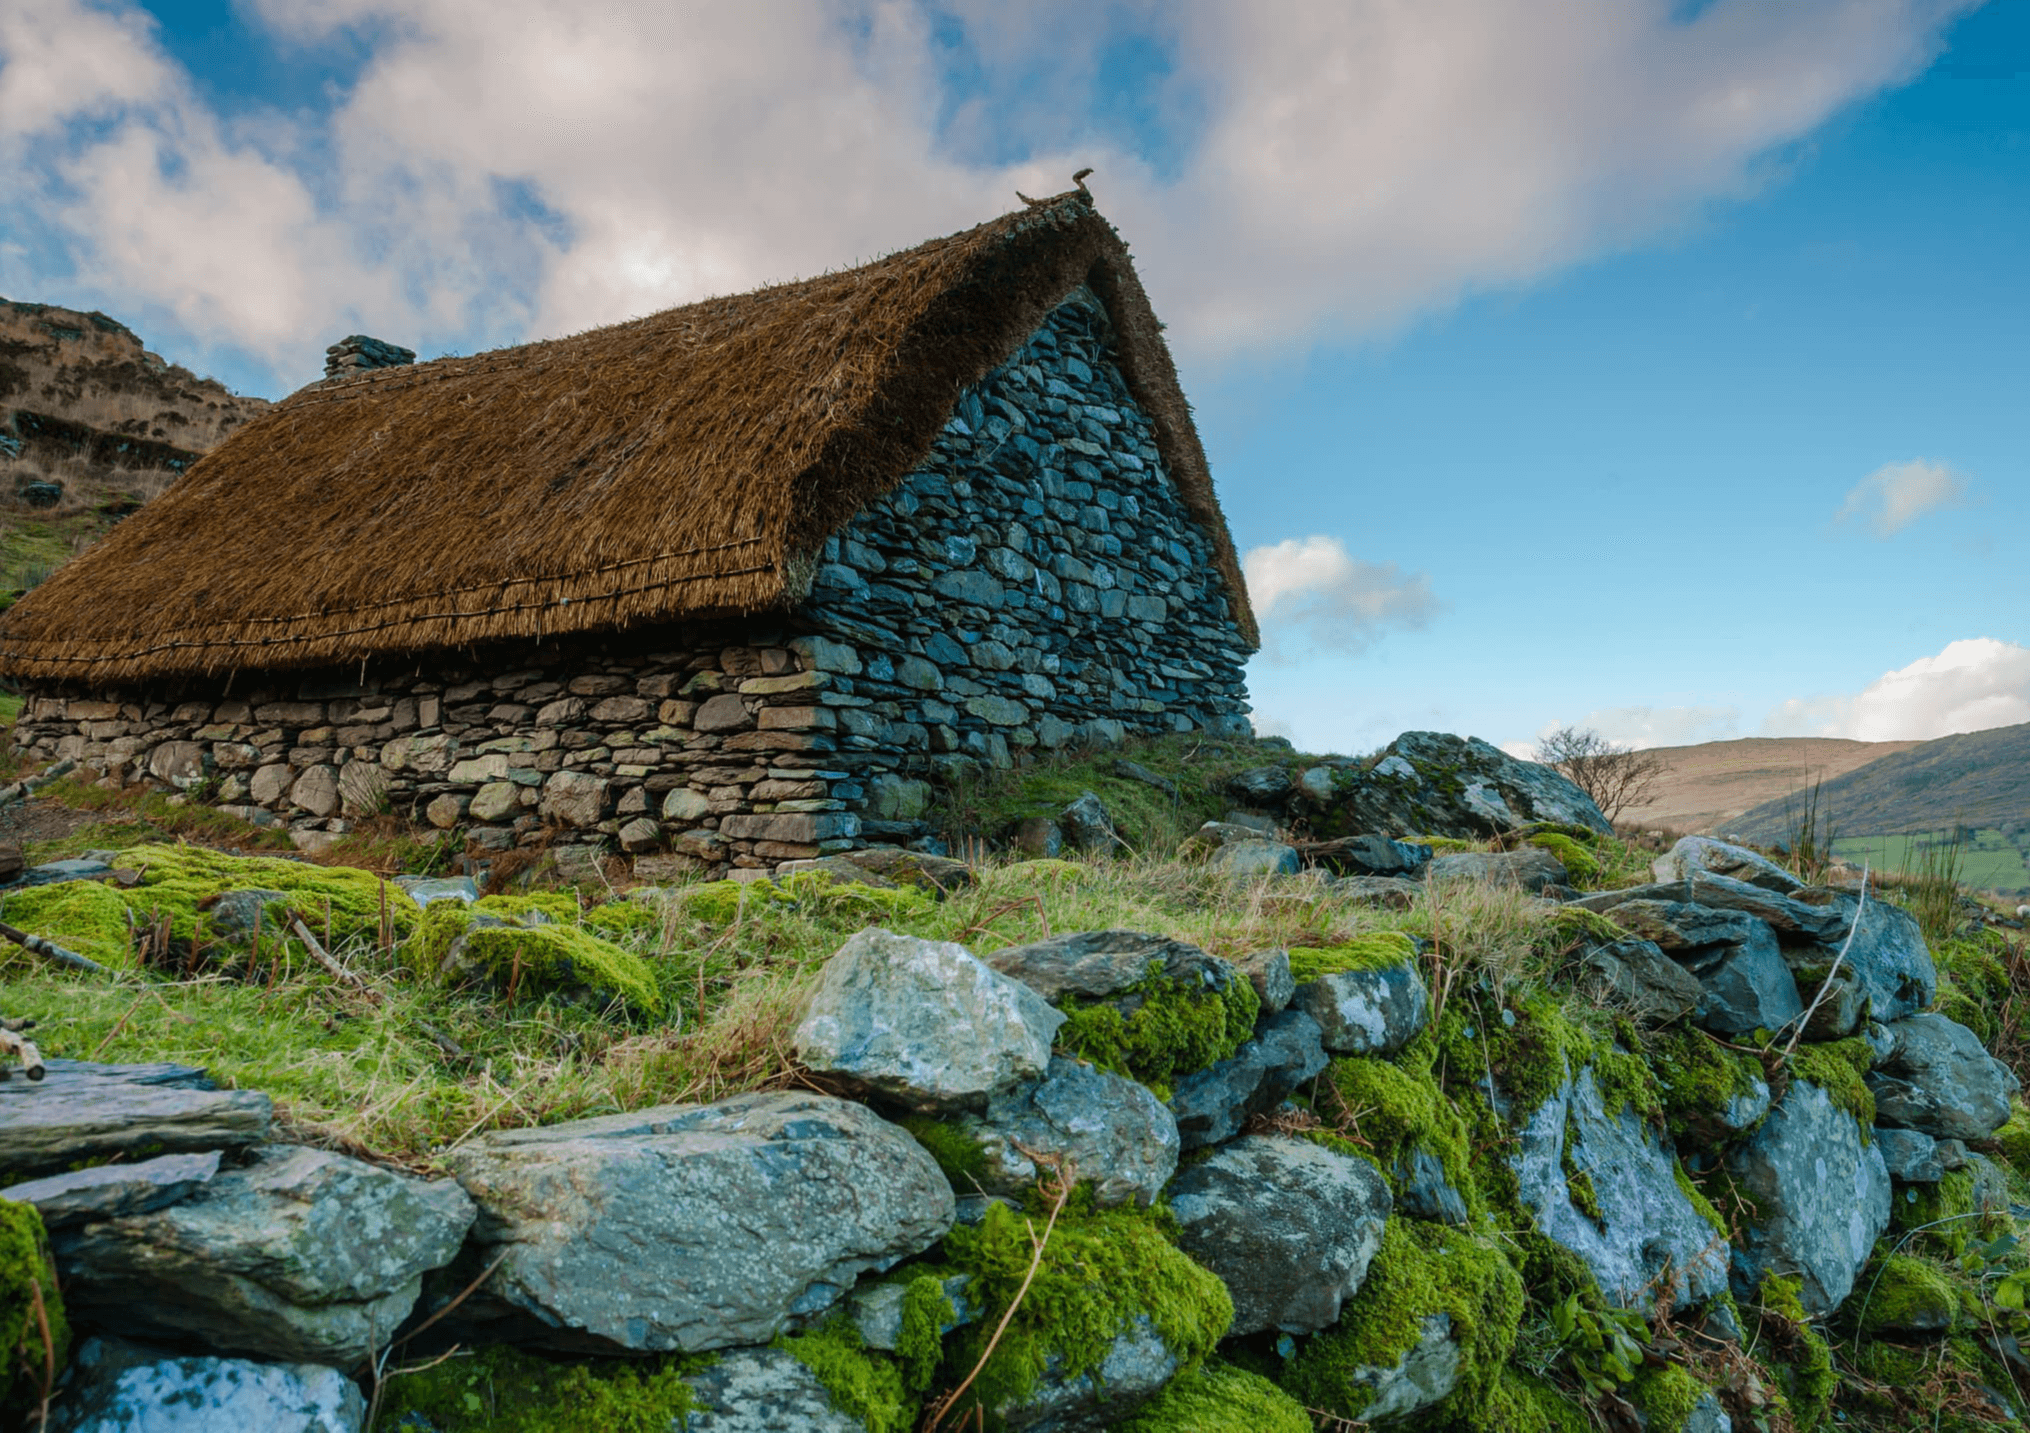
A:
(1694, 854)
(1530, 868)
(1289, 1226)
(1098, 964)
(1431, 784)
(923, 1024)
(691, 1226)
(269, 1259)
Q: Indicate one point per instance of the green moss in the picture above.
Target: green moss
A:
(1697, 1076)
(1973, 983)
(722, 902)
(1805, 1373)
(83, 917)
(1951, 1208)
(2014, 1137)
(1396, 1107)
(867, 1385)
(1420, 1270)
(1575, 858)
(1102, 1270)
(1697, 1199)
(1379, 951)
(1168, 1029)
(1906, 1294)
(1218, 1397)
(26, 1269)
(176, 880)
(559, 906)
(561, 957)
(504, 1390)
(1533, 1045)
(919, 1344)
(957, 1153)
(1840, 1068)
(1585, 1198)
(1521, 1403)
(1667, 1397)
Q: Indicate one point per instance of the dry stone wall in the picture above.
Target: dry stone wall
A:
(1037, 581)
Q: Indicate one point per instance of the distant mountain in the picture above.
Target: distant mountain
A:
(92, 425)
(1712, 784)
(1977, 779)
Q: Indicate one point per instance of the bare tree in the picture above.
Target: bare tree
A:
(1616, 777)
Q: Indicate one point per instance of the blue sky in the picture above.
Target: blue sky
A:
(1654, 367)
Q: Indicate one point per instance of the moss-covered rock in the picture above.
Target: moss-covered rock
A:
(1800, 1357)
(83, 917)
(870, 1386)
(1908, 1295)
(1219, 1397)
(31, 1343)
(1667, 1397)
(529, 945)
(1429, 1287)
(1376, 951)
(1520, 1403)
(1161, 1029)
(1393, 1110)
(1103, 1273)
(1574, 857)
(1709, 1091)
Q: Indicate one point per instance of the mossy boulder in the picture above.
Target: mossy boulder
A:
(1907, 1294)
(529, 946)
(507, 1390)
(1219, 1397)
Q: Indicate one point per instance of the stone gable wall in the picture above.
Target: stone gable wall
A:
(1036, 582)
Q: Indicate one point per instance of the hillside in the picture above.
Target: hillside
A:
(1715, 782)
(91, 426)
(1977, 779)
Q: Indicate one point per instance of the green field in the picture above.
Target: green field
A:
(1989, 859)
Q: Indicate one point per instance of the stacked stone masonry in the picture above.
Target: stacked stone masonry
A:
(1036, 582)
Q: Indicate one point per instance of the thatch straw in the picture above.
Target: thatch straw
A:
(680, 467)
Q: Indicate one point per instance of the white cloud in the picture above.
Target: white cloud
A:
(1971, 685)
(1651, 726)
(1313, 587)
(533, 166)
(1896, 495)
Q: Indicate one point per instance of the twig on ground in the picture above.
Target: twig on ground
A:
(338, 972)
(50, 951)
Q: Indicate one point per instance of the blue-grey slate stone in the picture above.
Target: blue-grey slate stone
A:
(426, 890)
(876, 1309)
(1111, 1132)
(301, 1254)
(1211, 1105)
(1433, 784)
(1289, 1226)
(689, 1227)
(1256, 858)
(763, 1390)
(1940, 1079)
(1635, 975)
(1423, 1191)
(81, 1112)
(106, 1191)
(1261, 785)
(113, 1386)
(1888, 956)
(1087, 825)
(1820, 1195)
(1705, 854)
(1373, 1011)
(1747, 986)
(1793, 920)
(1135, 1369)
(1530, 867)
(1646, 1237)
(923, 1023)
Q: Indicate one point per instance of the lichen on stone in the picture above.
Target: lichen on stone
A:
(1840, 1068)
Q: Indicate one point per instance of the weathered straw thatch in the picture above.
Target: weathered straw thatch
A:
(681, 466)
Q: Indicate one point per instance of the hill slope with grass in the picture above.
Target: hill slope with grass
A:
(92, 425)
(1709, 786)
(1976, 779)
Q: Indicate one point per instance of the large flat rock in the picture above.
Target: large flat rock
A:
(114, 1386)
(86, 1113)
(302, 1254)
(690, 1227)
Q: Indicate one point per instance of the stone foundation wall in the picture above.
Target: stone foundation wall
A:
(1037, 582)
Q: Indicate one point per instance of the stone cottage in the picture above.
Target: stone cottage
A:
(731, 580)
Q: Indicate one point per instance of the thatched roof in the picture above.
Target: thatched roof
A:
(681, 466)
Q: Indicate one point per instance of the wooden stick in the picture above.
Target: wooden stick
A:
(338, 972)
(13, 1043)
(50, 951)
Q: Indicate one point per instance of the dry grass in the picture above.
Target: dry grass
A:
(685, 465)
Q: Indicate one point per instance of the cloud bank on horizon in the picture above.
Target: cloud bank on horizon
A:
(1293, 173)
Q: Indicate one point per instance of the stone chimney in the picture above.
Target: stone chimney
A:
(359, 354)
